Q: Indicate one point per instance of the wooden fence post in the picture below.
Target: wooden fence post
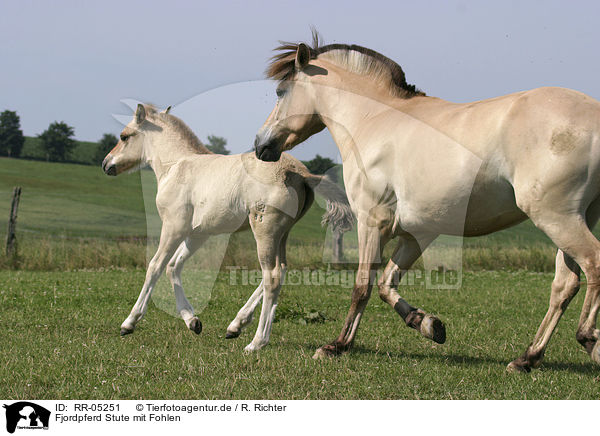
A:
(338, 246)
(11, 237)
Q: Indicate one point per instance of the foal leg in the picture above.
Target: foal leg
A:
(267, 247)
(564, 288)
(408, 251)
(245, 315)
(174, 267)
(369, 251)
(166, 248)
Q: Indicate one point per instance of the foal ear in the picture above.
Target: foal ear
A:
(167, 110)
(302, 56)
(140, 114)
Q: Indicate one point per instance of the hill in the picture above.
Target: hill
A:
(83, 152)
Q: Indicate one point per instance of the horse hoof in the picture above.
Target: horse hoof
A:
(434, 329)
(125, 331)
(250, 348)
(232, 335)
(325, 351)
(595, 354)
(516, 367)
(195, 326)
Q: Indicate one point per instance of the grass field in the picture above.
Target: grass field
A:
(82, 245)
(61, 340)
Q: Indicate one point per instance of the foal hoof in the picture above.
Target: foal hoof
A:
(195, 326)
(518, 367)
(329, 350)
(434, 329)
(232, 335)
(125, 331)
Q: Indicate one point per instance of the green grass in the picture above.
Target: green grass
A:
(88, 232)
(60, 340)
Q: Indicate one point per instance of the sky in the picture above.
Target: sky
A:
(75, 61)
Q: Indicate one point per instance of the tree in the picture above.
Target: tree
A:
(11, 135)
(106, 144)
(319, 165)
(57, 141)
(217, 144)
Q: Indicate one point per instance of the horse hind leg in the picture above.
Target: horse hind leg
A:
(246, 313)
(564, 288)
(574, 238)
(406, 253)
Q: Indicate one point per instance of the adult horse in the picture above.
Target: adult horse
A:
(202, 194)
(416, 167)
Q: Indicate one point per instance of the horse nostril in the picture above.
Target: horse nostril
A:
(111, 170)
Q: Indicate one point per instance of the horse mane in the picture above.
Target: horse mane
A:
(353, 58)
(181, 128)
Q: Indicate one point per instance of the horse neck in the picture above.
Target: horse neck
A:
(164, 149)
(344, 110)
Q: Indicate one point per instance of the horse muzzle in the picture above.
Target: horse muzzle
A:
(268, 151)
(109, 169)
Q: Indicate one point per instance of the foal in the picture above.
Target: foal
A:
(202, 194)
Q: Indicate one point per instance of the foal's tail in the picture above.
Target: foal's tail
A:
(338, 213)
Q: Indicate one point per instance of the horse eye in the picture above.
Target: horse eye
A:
(124, 138)
(279, 92)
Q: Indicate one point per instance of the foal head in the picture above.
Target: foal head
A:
(128, 153)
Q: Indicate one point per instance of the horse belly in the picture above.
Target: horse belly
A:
(492, 207)
(218, 220)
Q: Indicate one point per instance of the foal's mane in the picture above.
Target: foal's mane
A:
(180, 128)
(353, 58)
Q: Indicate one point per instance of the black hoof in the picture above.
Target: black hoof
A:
(196, 326)
(125, 332)
(439, 332)
(432, 328)
(230, 335)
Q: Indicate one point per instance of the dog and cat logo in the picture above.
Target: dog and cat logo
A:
(26, 415)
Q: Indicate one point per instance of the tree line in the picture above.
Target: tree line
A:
(57, 143)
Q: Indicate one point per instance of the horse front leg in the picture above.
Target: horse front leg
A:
(174, 268)
(169, 241)
(369, 253)
(409, 249)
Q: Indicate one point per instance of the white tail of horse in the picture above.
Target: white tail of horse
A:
(338, 212)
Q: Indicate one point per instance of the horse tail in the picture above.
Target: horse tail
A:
(338, 213)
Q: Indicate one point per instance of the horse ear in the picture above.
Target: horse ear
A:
(167, 110)
(302, 56)
(140, 114)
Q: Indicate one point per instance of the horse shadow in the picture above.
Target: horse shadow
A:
(467, 360)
